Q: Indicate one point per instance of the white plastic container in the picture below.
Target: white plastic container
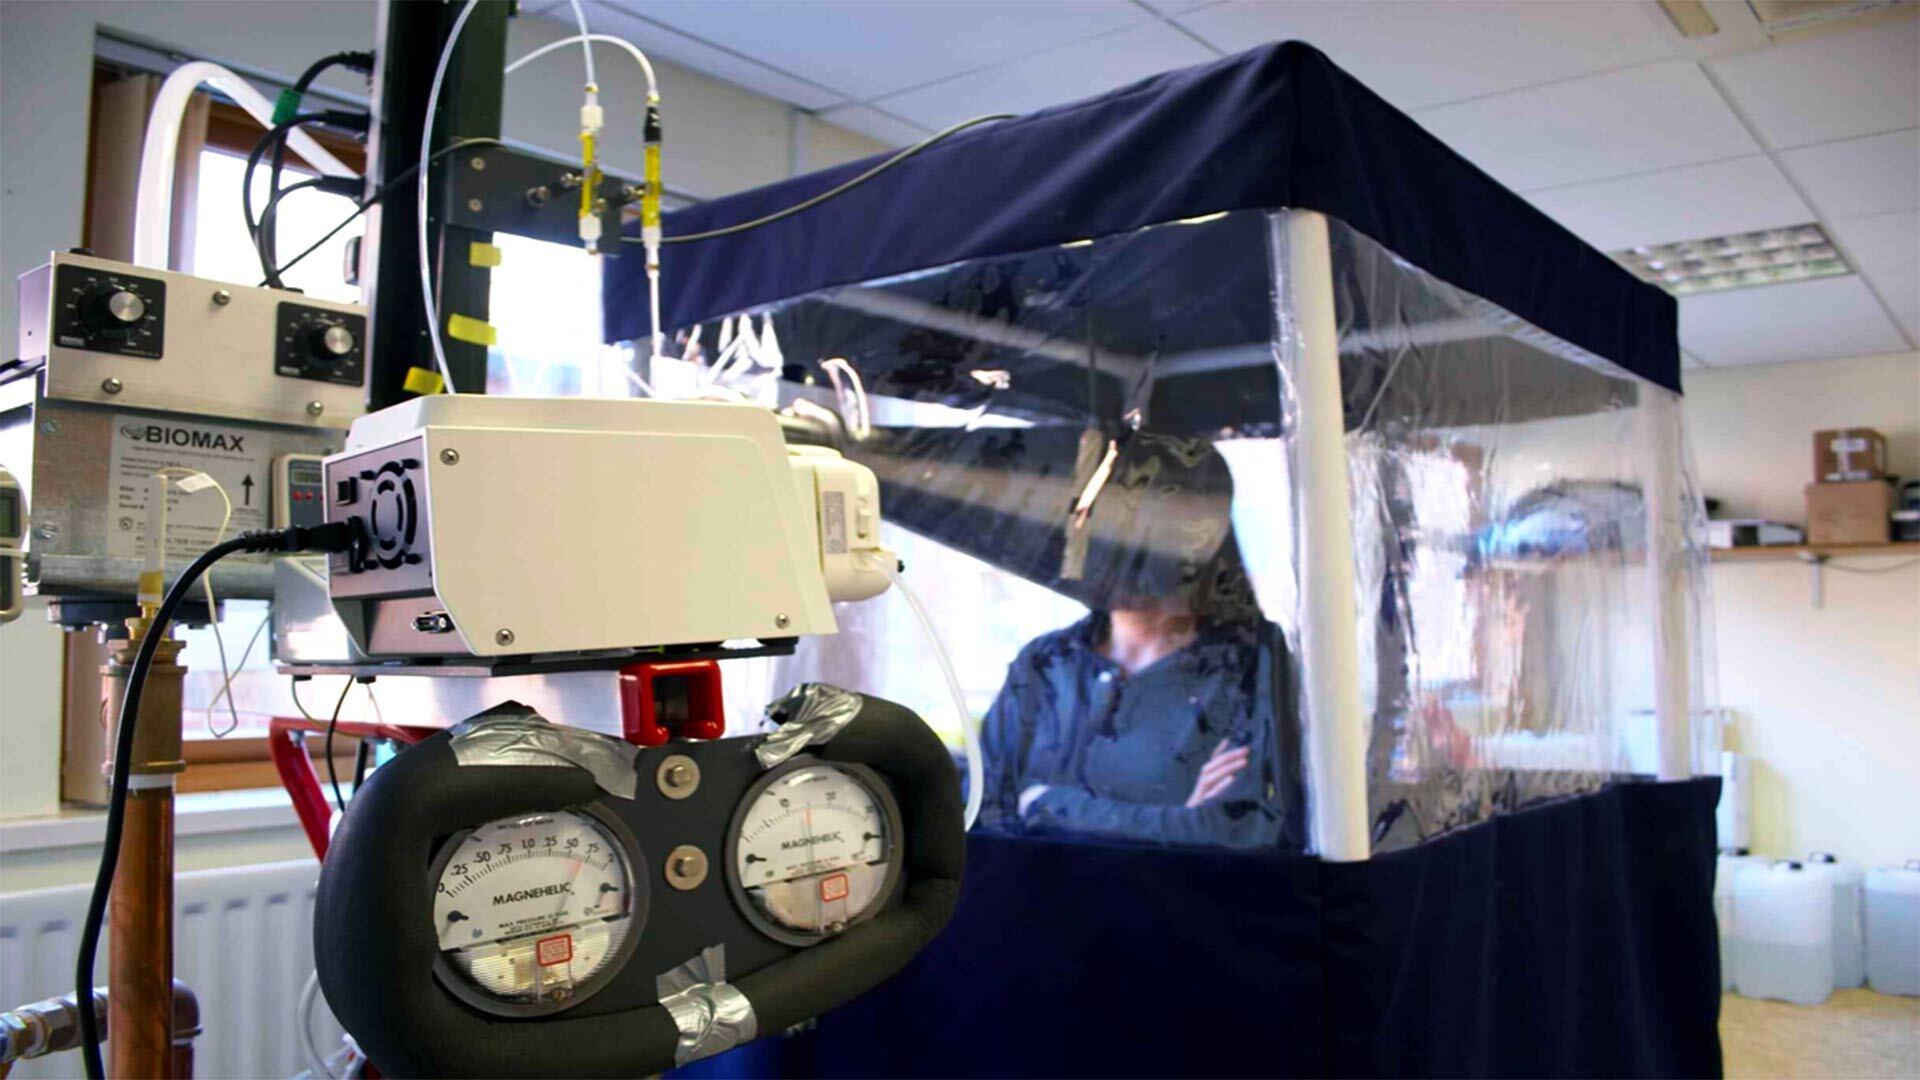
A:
(1849, 930)
(1783, 940)
(1724, 869)
(1893, 928)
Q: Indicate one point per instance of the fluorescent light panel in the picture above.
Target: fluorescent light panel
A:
(1738, 261)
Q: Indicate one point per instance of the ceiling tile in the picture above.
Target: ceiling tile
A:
(1417, 54)
(1808, 320)
(1857, 177)
(1833, 86)
(1886, 248)
(662, 43)
(1079, 70)
(871, 49)
(1656, 116)
(1678, 204)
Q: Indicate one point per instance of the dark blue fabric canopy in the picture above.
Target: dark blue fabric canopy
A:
(1279, 126)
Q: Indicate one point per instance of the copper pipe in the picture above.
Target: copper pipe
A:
(140, 949)
(140, 909)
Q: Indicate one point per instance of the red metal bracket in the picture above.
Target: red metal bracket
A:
(692, 707)
(286, 744)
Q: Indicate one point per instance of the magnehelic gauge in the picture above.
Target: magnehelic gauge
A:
(534, 914)
(519, 898)
(812, 849)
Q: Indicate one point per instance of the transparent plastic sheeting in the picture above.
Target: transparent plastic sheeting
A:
(1086, 457)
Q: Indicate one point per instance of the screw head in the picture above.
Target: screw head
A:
(112, 385)
(475, 205)
(686, 867)
(222, 297)
(315, 408)
(503, 636)
(678, 776)
(479, 163)
(449, 456)
(782, 621)
(50, 427)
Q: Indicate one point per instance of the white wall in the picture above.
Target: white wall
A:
(1826, 700)
(719, 138)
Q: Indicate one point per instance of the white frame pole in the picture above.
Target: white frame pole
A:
(1666, 582)
(1336, 724)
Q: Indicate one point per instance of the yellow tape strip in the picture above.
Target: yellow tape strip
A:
(472, 331)
(423, 381)
(483, 254)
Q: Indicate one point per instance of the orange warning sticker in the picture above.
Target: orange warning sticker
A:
(557, 949)
(834, 887)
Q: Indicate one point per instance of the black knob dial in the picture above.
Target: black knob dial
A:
(110, 308)
(328, 345)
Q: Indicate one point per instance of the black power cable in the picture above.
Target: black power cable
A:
(333, 536)
(357, 61)
(385, 190)
(348, 186)
(339, 118)
(333, 724)
(833, 192)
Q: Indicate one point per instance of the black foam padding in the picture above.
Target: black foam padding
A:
(837, 971)
(375, 947)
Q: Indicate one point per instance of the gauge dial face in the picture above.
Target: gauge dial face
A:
(536, 913)
(813, 849)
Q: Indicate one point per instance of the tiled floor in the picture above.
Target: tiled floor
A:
(1857, 1033)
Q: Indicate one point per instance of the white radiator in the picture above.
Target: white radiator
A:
(243, 940)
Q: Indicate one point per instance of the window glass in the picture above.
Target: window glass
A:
(223, 251)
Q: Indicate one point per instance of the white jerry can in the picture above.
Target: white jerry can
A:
(1725, 868)
(1893, 929)
(1783, 940)
(1849, 917)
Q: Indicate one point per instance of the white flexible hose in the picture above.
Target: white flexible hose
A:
(586, 47)
(969, 730)
(658, 338)
(157, 550)
(426, 150)
(303, 1019)
(646, 66)
(160, 149)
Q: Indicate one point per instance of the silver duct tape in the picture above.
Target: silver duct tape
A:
(810, 715)
(712, 1014)
(520, 736)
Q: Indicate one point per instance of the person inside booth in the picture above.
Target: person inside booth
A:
(1154, 718)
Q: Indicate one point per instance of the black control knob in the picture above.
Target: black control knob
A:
(110, 308)
(329, 345)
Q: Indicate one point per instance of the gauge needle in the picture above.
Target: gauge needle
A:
(568, 895)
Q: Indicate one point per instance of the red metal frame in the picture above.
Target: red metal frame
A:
(286, 743)
(640, 720)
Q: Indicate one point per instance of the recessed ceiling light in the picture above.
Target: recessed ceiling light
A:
(1737, 261)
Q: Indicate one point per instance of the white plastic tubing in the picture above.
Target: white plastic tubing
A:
(153, 204)
(1666, 582)
(1336, 727)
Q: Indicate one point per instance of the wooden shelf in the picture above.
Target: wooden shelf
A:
(1770, 552)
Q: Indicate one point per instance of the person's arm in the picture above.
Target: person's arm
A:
(1238, 817)
(1004, 737)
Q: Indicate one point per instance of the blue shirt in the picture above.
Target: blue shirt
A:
(1120, 753)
